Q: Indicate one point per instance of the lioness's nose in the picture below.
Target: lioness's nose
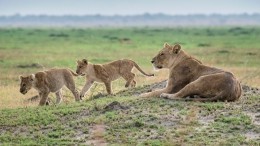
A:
(152, 61)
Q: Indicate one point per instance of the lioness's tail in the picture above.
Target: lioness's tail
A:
(72, 72)
(138, 67)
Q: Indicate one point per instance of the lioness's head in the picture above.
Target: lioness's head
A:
(166, 56)
(82, 67)
(26, 83)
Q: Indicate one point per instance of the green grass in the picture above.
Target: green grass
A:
(236, 47)
(143, 121)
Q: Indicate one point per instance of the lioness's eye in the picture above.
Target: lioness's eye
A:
(80, 66)
(24, 85)
(161, 54)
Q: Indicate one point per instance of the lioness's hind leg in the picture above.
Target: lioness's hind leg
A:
(129, 78)
(59, 96)
(197, 87)
(190, 89)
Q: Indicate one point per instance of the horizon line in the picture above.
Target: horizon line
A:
(125, 15)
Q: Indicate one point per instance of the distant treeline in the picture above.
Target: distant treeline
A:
(131, 20)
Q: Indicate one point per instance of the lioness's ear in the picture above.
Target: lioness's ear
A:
(20, 77)
(78, 62)
(85, 61)
(166, 45)
(176, 48)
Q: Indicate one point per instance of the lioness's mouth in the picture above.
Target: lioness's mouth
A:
(157, 67)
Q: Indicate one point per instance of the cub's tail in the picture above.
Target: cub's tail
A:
(73, 73)
(138, 68)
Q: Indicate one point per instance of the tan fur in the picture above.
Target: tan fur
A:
(106, 73)
(188, 77)
(49, 81)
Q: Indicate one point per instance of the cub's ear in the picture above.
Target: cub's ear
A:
(20, 77)
(85, 61)
(176, 48)
(32, 77)
(78, 62)
(166, 45)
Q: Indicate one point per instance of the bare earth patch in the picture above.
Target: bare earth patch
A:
(97, 133)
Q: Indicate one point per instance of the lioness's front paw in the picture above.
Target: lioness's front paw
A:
(164, 95)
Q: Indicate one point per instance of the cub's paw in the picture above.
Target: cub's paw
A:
(81, 96)
(47, 102)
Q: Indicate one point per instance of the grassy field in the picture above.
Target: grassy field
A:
(146, 122)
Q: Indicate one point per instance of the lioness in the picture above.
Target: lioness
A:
(188, 77)
(49, 81)
(106, 73)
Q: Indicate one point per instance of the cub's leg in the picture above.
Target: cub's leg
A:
(86, 88)
(59, 96)
(70, 84)
(133, 83)
(129, 77)
(108, 87)
(43, 98)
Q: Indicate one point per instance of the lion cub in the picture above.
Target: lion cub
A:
(49, 81)
(106, 73)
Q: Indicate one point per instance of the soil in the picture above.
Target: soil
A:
(97, 133)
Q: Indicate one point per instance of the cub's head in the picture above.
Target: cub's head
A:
(166, 56)
(82, 67)
(26, 83)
